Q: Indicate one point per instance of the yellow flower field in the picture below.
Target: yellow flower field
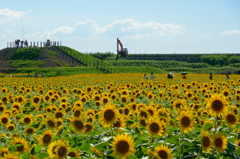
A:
(120, 116)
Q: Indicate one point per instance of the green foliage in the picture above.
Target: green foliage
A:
(25, 54)
(82, 56)
(51, 52)
(26, 63)
(220, 60)
(158, 64)
(102, 56)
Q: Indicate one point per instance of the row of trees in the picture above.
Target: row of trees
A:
(221, 60)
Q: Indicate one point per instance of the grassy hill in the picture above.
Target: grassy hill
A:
(82, 56)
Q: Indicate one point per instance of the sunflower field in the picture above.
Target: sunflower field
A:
(120, 116)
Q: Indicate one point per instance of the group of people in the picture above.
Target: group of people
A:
(36, 75)
(170, 76)
(211, 76)
(152, 76)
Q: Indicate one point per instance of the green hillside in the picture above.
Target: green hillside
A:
(82, 56)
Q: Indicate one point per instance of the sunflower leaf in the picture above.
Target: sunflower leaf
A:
(12, 148)
(43, 155)
(85, 146)
(21, 115)
(25, 156)
(38, 148)
(208, 126)
(39, 118)
(18, 145)
(231, 147)
(74, 149)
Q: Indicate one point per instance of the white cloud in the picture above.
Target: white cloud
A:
(9, 33)
(7, 14)
(125, 28)
(233, 32)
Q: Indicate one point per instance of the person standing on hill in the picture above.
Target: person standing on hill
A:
(42, 74)
(152, 76)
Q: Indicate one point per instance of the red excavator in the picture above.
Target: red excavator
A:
(123, 52)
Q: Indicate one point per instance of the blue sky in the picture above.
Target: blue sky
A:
(153, 26)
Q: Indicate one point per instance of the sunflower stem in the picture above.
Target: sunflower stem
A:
(112, 130)
(215, 123)
(199, 152)
(75, 139)
(180, 144)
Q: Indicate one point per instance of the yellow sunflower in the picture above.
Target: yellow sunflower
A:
(62, 149)
(4, 119)
(217, 105)
(123, 146)
(220, 142)
(78, 124)
(186, 121)
(154, 127)
(231, 119)
(46, 138)
(22, 148)
(3, 151)
(108, 115)
(206, 142)
(163, 152)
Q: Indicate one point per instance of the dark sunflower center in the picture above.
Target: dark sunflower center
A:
(3, 153)
(225, 93)
(126, 111)
(105, 100)
(30, 131)
(10, 128)
(122, 146)
(62, 151)
(163, 154)
(218, 142)
(143, 122)
(124, 100)
(27, 120)
(178, 105)
(109, 115)
(117, 124)
(36, 100)
(78, 125)
(217, 105)
(1, 109)
(72, 154)
(51, 123)
(4, 120)
(151, 112)
(143, 114)
(59, 115)
(19, 148)
(83, 100)
(77, 113)
(185, 121)
(206, 141)
(89, 128)
(154, 127)
(231, 118)
(47, 139)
